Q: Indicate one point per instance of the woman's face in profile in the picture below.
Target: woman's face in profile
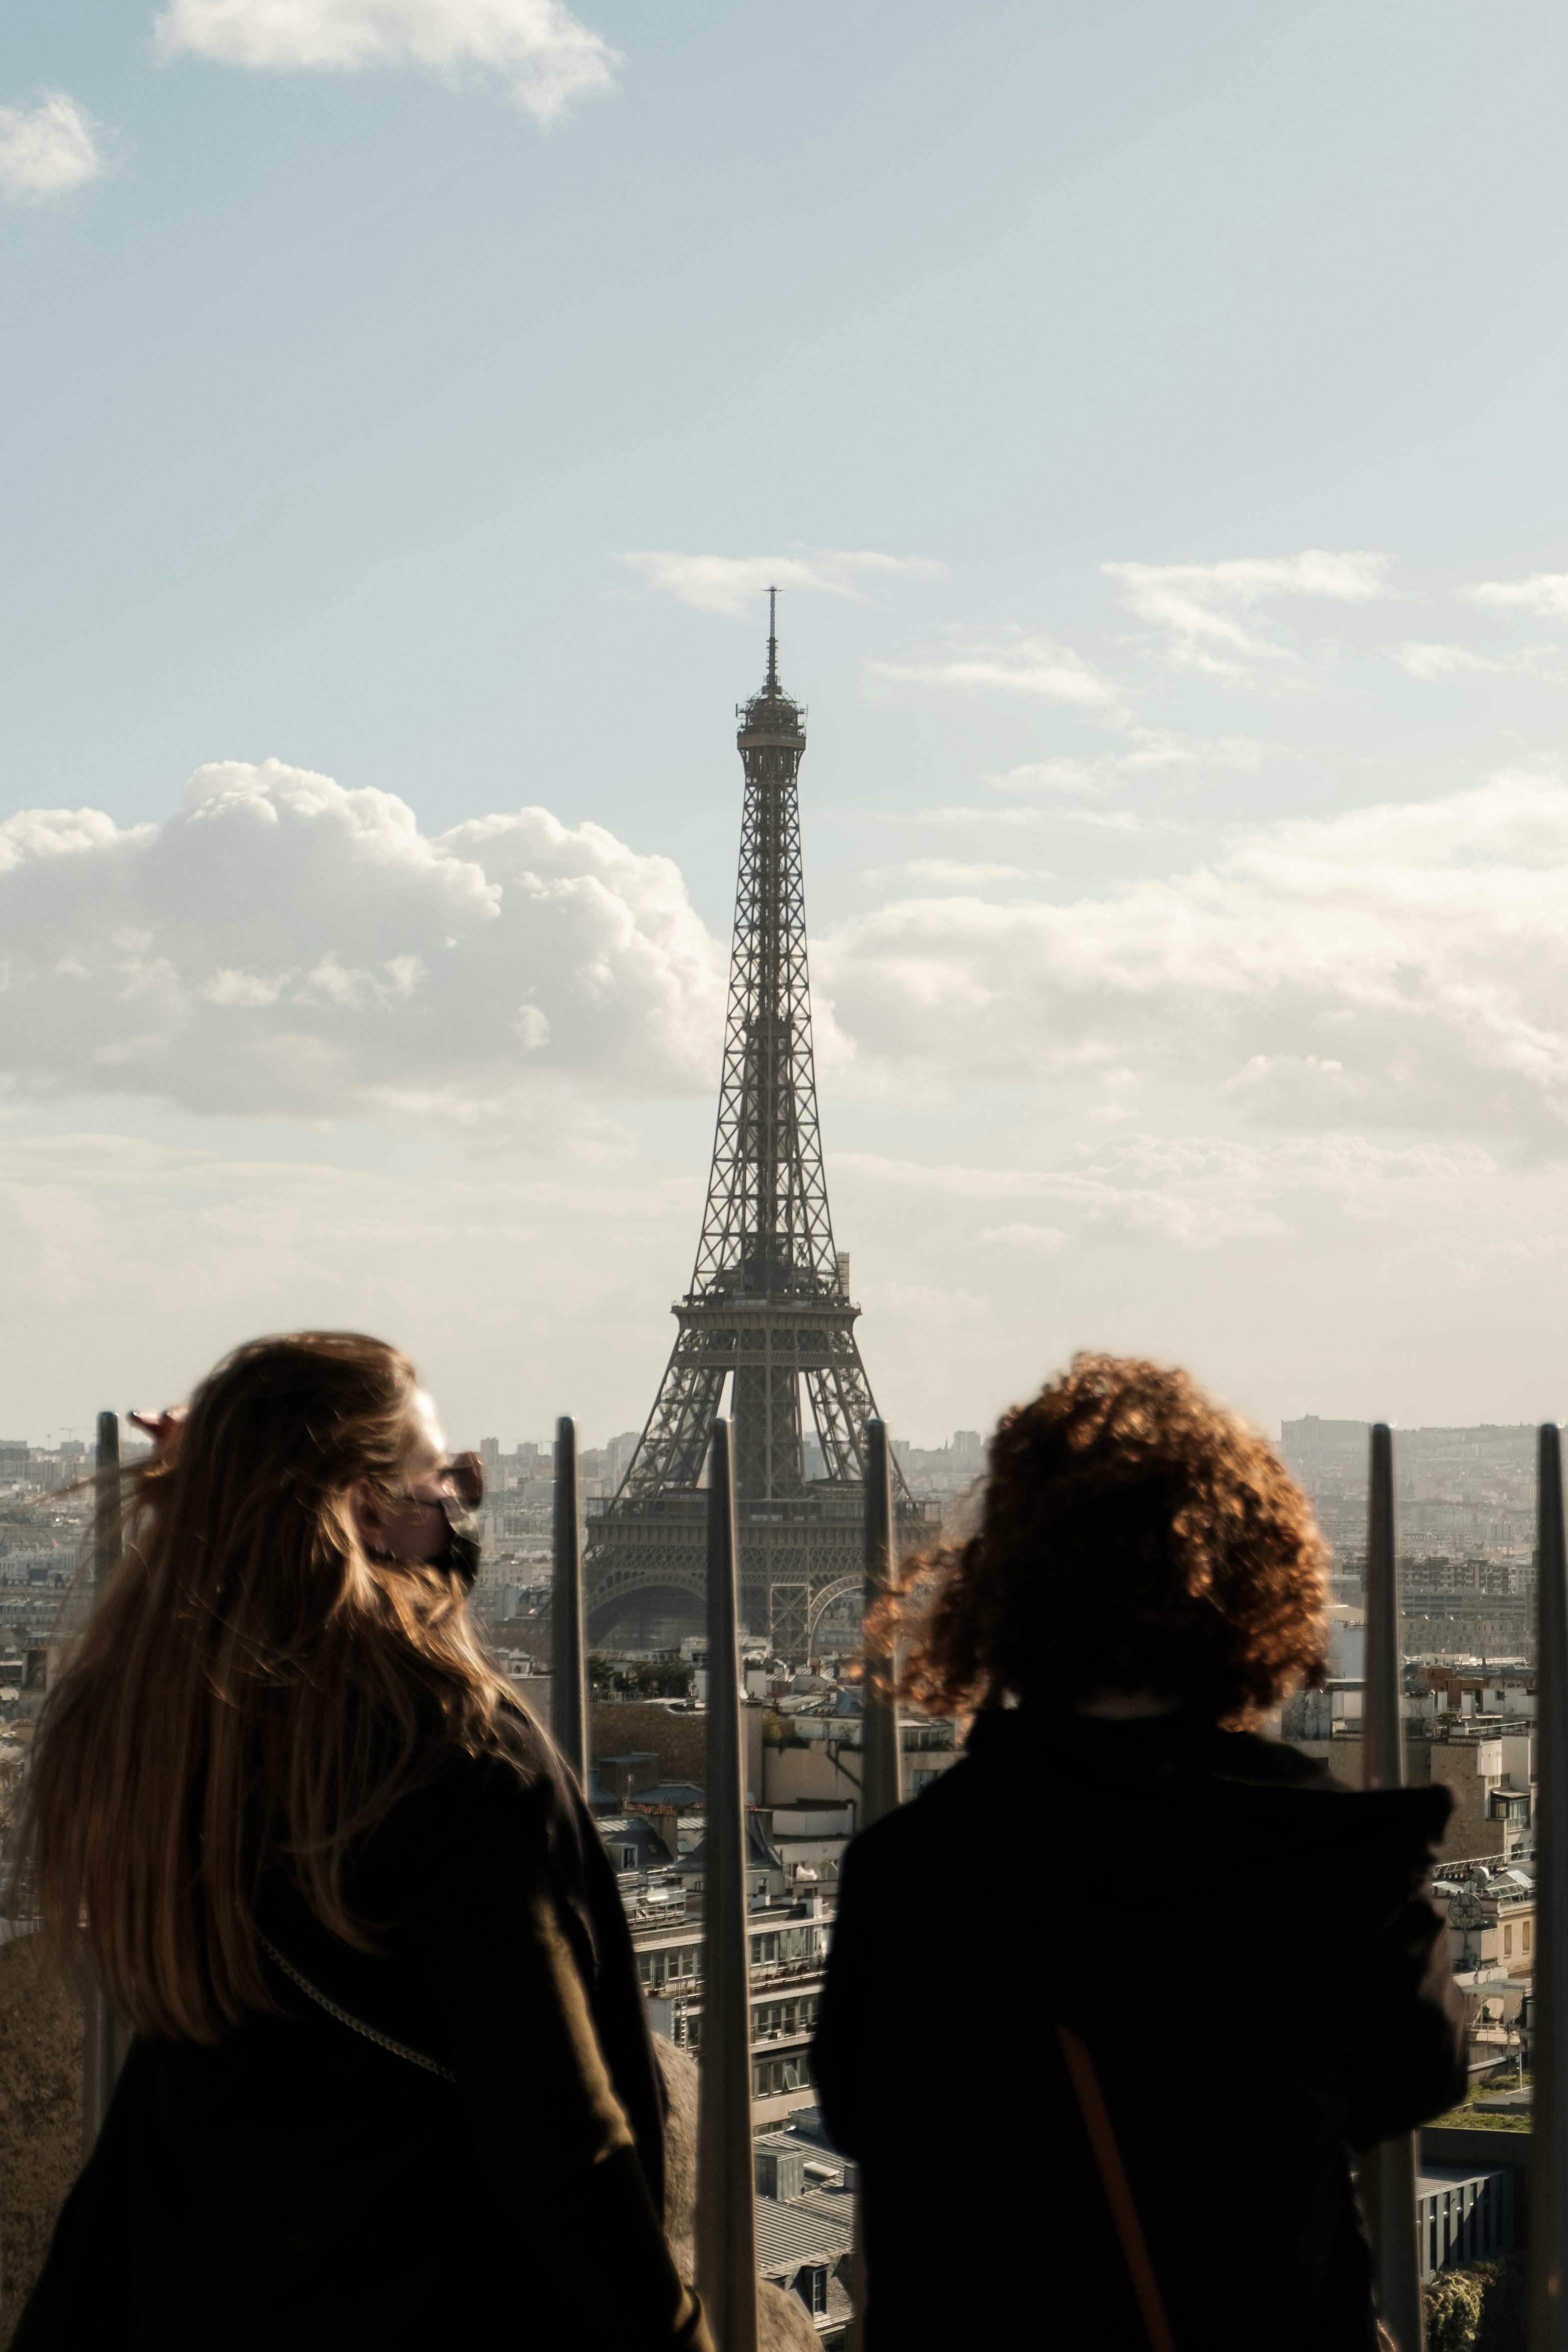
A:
(415, 1528)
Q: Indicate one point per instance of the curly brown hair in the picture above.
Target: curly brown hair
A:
(1135, 1537)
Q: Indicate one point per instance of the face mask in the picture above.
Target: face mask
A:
(461, 1557)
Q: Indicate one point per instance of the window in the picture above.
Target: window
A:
(1525, 1925)
(784, 2016)
(772, 2075)
(1508, 1943)
(811, 2286)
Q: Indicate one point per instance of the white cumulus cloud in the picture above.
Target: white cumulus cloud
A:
(286, 945)
(283, 944)
(1041, 1238)
(1419, 658)
(958, 817)
(1544, 593)
(1197, 1192)
(1015, 663)
(1151, 756)
(1211, 612)
(1399, 964)
(951, 872)
(534, 50)
(49, 149)
(733, 583)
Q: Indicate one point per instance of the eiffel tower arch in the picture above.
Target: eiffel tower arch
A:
(768, 1323)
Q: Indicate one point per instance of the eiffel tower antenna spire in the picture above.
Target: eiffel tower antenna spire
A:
(768, 1314)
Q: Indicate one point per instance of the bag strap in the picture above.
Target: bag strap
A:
(346, 2017)
(1085, 2080)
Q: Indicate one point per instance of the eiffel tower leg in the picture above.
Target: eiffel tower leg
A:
(841, 1406)
(674, 1446)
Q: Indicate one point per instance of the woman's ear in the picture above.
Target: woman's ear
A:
(365, 1517)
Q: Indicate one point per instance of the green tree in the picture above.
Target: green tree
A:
(640, 1678)
(1453, 2313)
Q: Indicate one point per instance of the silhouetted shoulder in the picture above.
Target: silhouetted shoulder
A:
(515, 1808)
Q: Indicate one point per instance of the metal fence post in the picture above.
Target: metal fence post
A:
(103, 2038)
(1388, 2170)
(881, 1759)
(881, 1750)
(726, 2216)
(1549, 2137)
(568, 1647)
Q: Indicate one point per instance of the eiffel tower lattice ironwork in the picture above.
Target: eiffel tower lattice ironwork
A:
(769, 1310)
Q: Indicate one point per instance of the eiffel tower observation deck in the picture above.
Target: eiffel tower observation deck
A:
(768, 1315)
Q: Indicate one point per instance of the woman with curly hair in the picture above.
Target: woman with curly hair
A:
(1111, 2001)
(391, 2083)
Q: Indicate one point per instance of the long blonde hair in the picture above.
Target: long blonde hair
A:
(253, 1691)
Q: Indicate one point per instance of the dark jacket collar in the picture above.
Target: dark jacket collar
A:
(1237, 1811)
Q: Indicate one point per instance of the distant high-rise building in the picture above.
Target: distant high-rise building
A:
(619, 1451)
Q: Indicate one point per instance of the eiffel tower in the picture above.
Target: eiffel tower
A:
(769, 1310)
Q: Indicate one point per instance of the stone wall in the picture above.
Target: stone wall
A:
(40, 2113)
(783, 2325)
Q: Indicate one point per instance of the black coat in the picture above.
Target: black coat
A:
(1247, 1948)
(300, 2186)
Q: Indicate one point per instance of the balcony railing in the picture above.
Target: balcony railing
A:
(729, 1983)
(1389, 2181)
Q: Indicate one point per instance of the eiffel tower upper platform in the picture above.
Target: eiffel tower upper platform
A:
(769, 1311)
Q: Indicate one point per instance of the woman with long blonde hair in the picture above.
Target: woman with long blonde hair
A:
(391, 2081)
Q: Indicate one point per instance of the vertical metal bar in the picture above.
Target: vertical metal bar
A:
(1383, 1727)
(1549, 2137)
(726, 2216)
(1388, 2170)
(881, 1760)
(568, 1647)
(103, 2038)
(881, 1754)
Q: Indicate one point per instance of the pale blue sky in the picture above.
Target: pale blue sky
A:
(327, 410)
